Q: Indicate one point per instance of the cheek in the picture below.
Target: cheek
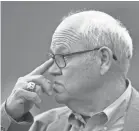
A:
(80, 80)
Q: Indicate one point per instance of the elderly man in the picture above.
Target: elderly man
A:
(90, 58)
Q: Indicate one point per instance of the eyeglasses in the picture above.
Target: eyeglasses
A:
(60, 58)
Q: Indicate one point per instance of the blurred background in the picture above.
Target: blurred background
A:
(27, 28)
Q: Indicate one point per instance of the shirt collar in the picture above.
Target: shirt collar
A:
(119, 106)
(113, 111)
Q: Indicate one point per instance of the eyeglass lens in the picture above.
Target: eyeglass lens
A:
(59, 59)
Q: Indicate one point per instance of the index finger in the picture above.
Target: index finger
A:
(42, 68)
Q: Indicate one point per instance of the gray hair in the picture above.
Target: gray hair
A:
(101, 29)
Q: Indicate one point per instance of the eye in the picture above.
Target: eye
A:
(65, 58)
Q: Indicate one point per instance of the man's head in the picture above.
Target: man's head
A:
(85, 73)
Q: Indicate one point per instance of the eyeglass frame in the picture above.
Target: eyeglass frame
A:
(69, 54)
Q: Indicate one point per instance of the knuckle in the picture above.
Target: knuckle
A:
(20, 78)
(34, 96)
(21, 83)
(18, 92)
(41, 77)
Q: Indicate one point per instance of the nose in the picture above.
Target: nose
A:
(54, 70)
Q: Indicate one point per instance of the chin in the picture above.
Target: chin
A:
(61, 98)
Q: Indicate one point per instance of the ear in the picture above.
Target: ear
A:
(105, 54)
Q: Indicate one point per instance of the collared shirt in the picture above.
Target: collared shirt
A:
(63, 119)
(111, 117)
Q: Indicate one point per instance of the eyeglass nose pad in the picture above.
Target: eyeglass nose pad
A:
(49, 55)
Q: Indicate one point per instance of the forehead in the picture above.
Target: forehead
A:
(60, 48)
(67, 41)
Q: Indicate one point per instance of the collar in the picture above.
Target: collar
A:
(120, 104)
(112, 112)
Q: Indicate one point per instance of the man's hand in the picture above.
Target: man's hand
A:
(21, 100)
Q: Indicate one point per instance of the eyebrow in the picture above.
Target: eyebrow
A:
(62, 52)
(50, 51)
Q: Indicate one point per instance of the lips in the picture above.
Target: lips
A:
(58, 87)
(58, 83)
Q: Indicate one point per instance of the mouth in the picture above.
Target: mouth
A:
(58, 83)
(58, 87)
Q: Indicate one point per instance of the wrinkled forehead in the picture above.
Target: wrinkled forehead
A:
(67, 39)
(59, 48)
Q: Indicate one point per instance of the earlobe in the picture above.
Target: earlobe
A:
(103, 70)
(106, 58)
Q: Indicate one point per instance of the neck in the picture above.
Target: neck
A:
(98, 100)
